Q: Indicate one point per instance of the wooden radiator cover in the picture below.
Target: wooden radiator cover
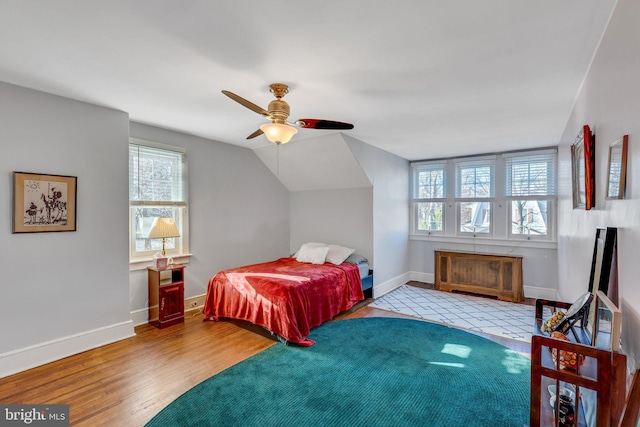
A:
(480, 273)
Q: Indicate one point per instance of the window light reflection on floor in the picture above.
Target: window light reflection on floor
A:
(457, 350)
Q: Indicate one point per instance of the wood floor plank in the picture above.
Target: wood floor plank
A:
(128, 382)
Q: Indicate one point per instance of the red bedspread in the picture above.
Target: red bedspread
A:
(285, 296)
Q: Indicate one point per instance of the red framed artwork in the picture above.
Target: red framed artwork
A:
(584, 169)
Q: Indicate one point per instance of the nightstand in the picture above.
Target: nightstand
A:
(166, 295)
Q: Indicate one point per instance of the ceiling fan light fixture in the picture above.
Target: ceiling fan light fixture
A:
(278, 133)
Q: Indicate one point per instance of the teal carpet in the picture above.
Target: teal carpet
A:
(365, 372)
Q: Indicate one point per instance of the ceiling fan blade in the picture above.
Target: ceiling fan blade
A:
(250, 105)
(256, 133)
(323, 124)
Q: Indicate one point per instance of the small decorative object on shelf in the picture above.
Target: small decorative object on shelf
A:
(160, 262)
(166, 295)
(566, 417)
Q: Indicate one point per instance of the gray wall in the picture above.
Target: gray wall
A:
(65, 291)
(389, 175)
(343, 217)
(608, 103)
(239, 212)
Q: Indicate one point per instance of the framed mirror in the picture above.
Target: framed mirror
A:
(583, 169)
(617, 170)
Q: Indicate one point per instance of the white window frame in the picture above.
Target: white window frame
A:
(179, 252)
(547, 194)
(500, 220)
(459, 198)
(416, 168)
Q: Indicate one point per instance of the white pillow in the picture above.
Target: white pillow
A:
(311, 253)
(309, 244)
(337, 254)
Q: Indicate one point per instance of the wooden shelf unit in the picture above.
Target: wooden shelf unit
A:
(603, 372)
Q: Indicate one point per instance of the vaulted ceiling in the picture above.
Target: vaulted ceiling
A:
(420, 79)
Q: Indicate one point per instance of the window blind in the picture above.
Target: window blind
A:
(530, 174)
(156, 176)
(429, 181)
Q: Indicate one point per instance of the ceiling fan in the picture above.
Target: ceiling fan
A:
(279, 131)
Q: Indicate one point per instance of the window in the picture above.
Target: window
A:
(493, 197)
(474, 196)
(157, 187)
(530, 191)
(428, 197)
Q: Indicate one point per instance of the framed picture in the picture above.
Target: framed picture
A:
(617, 173)
(606, 331)
(604, 273)
(583, 169)
(43, 203)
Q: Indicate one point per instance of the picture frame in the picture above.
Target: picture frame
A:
(43, 203)
(617, 168)
(604, 273)
(607, 326)
(583, 169)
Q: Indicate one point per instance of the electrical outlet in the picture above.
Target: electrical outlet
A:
(194, 303)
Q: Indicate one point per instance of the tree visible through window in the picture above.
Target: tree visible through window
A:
(157, 188)
(530, 184)
(474, 191)
(429, 190)
(523, 203)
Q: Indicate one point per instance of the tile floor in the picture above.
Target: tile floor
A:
(501, 318)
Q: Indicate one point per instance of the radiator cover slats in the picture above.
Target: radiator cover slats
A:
(482, 273)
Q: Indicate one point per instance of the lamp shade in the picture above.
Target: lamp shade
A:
(278, 133)
(163, 227)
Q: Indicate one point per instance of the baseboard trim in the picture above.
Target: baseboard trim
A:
(421, 277)
(529, 291)
(542, 293)
(386, 287)
(26, 358)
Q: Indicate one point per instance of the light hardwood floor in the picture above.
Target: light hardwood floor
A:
(128, 382)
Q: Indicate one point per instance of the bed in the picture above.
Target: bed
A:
(288, 296)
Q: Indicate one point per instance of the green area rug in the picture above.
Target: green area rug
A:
(365, 372)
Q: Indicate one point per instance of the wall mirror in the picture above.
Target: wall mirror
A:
(604, 272)
(617, 173)
(583, 169)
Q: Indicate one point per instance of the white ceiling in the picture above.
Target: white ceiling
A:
(420, 79)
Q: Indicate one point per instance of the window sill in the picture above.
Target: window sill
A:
(511, 243)
(143, 263)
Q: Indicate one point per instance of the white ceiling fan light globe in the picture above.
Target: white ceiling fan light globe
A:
(278, 133)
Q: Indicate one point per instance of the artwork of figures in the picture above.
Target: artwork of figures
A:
(43, 203)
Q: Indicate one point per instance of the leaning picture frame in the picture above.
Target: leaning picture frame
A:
(43, 203)
(607, 326)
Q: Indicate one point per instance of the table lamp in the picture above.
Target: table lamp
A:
(163, 228)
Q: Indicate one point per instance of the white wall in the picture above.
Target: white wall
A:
(239, 212)
(63, 292)
(609, 103)
(389, 175)
(343, 217)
